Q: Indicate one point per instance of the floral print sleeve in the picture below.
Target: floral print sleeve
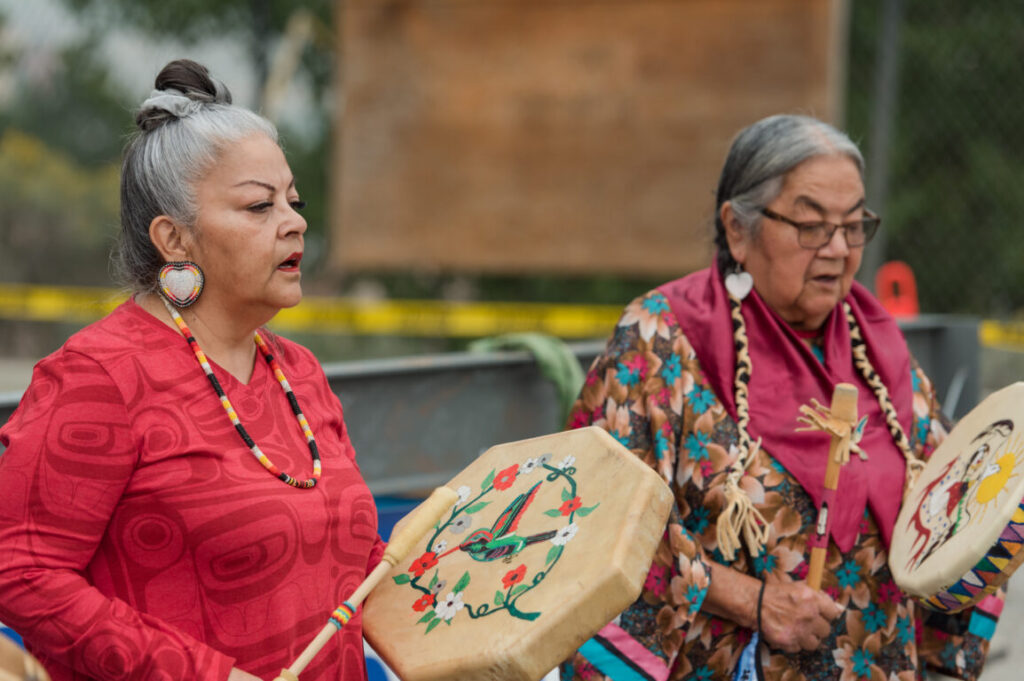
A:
(955, 645)
(641, 391)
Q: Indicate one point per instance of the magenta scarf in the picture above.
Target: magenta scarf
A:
(786, 374)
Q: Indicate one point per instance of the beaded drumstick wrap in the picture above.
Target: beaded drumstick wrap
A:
(342, 614)
(736, 518)
(230, 410)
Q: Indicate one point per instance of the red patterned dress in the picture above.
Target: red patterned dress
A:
(648, 390)
(139, 537)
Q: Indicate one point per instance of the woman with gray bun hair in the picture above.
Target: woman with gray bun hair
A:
(179, 498)
(704, 378)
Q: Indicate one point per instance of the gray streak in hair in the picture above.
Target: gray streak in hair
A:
(163, 163)
(758, 161)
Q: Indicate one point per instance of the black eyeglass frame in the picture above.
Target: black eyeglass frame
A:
(870, 224)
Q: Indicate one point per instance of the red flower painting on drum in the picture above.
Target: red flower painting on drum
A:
(506, 477)
(425, 601)
(513, 577)
(570, 506)
(423, 563)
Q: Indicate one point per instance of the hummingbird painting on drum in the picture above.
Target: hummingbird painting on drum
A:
(501, 541)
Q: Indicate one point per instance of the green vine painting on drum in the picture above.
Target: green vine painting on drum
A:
(502, 539)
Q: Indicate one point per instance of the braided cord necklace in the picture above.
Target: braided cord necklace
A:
(226, 403)
(743, 517)
(871, 377)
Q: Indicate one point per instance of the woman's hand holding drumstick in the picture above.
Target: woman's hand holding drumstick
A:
(793, 616)
(425, 517)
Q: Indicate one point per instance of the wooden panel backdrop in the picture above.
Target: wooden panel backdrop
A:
(558, 136)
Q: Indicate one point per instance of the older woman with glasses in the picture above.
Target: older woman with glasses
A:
(704, 378)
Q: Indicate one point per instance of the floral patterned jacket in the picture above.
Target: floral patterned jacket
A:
(649, 392)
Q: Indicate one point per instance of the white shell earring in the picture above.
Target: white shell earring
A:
(739, 282)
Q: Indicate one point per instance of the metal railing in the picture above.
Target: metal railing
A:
(417, 421)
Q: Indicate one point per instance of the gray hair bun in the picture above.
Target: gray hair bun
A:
(183, 87)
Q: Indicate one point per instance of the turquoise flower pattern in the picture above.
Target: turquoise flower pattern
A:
(701, 399)
(697, 521)
(697, 446)
(905, 630)
(704, 673)
(648, 389)
(862, 661)
(672, 369)
(661, 445)
(849, 574)
(874, 618)
(765, 563)
(629, 374)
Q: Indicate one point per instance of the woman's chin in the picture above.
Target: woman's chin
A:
(288, 297)
(292, 302)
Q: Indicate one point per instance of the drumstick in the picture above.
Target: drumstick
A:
(843, 411)
(426, 517)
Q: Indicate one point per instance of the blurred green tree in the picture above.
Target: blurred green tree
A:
(954, 198)
(260, 25)
(79, 110)
(59, 217)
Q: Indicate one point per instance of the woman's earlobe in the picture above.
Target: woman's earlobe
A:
(735, 235)
(168, 238)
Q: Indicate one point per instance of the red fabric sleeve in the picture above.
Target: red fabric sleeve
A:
(70, 454)
(377, 551)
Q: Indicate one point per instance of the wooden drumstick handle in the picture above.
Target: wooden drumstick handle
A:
(426, 516)
(843, 408)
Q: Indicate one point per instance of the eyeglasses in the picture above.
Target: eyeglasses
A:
(814, 235)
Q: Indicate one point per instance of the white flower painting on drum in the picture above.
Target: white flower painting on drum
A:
(565, 535)
(450, 605)
(529, 466)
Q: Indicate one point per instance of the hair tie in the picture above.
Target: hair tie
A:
(173, 102)
(221, 93)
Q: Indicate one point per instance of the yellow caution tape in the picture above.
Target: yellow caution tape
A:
(1008, 335)
(29, 302)
(426, 318)
(439, 319)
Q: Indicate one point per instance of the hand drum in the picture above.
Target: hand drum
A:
(17, 664)
(550, 539)
(960, 531)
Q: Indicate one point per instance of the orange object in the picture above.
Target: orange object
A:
(896, 289)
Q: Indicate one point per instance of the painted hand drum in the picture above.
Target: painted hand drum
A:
(17, 664)
(960, 531)
(550, 539)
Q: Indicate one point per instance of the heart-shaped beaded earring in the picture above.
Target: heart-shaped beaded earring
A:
(181, 282)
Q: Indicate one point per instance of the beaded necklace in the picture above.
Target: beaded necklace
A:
(276, 368)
